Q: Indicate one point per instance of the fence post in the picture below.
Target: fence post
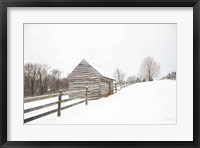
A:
(86, 95)
(99, 90)
(110, 88)
(59, 103)
(115, 87)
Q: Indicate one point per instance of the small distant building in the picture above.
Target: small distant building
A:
(171, 76)
(88, 74)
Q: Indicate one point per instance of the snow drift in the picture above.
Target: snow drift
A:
(141, 103)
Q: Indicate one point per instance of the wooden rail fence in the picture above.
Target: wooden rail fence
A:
(87, 91)
(58, 103)
(118, 87)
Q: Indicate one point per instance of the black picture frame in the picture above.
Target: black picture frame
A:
(99, 3)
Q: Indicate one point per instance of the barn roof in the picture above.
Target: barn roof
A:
(100, 70)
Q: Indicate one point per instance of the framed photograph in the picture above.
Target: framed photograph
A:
(99, 73)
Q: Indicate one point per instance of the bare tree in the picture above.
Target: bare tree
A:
(55, 79)
(64, 84)
(27, 78)
(39, 80)
(119, 76)
(30, 78)
(149, 68)
(42, 78)
(33, 78)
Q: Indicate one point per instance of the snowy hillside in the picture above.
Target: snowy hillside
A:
(141, 103)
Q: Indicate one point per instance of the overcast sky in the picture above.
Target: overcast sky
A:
(111, 46)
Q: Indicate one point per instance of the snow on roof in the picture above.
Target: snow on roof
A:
(100, 70)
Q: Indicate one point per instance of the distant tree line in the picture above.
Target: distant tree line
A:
(39, 79)
(120, 78)
(149, 69)
(171, 76)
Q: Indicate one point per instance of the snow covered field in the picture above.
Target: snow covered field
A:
(141, 103)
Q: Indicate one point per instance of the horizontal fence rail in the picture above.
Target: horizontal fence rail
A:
(47, 105)
(85, 93)
(32, 99)
(78, 94)
(50, 112)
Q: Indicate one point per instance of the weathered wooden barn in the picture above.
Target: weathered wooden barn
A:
(87, 74)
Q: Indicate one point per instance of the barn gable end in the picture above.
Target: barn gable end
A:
(85, 75)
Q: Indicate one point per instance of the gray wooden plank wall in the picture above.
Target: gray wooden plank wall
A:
(86, 76)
